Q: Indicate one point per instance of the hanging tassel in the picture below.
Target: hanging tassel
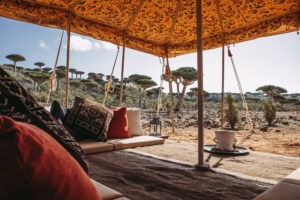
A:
(229, 52)
(53, 82)
(168, 72)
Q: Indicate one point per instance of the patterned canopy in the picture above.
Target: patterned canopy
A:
(152, 26)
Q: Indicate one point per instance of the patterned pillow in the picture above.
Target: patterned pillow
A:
(16, 103)
(91, 119)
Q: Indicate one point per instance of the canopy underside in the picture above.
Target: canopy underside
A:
(151, 25)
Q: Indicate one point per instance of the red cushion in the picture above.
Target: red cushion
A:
(34, 166)
(118, 127)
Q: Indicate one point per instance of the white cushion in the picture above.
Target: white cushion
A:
(134, 121)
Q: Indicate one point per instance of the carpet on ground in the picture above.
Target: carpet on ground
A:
(141, 177)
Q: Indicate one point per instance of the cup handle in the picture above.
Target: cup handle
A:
(234, 143)
(215, 140)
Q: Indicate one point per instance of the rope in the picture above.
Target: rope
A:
(108, 84)
(53, 75)
(245, 106)
(160, 89)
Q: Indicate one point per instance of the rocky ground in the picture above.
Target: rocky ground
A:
(281, 138)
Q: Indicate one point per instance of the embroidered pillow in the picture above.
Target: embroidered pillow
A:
(18, 104)
(89, 118)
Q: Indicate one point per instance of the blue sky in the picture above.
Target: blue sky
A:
(271, 60)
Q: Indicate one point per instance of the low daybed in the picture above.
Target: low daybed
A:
(287, 189)
(107, 193)
(91, 146)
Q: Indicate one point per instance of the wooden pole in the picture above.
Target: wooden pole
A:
(122, 71)
(68, 62)
(170, 90)
(201, 165)
(223, 70)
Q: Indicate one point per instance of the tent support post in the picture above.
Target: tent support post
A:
(122, 71)
(201, 165)
(223, 70)
(170, 90)
(68, 62)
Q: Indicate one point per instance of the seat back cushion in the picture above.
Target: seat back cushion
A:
(35, 166)
(134, 121)
(89, 118)
(118, 127)
(18, 104)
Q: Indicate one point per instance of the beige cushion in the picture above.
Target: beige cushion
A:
(134, 121)
(138, 141)
(92, 146)
(293, 177)
(281, 191)
(105, 192)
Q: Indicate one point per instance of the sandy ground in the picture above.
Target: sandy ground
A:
(282, 138)
(278, 140)
(261, 165)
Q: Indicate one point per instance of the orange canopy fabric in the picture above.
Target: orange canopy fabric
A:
(152, 25)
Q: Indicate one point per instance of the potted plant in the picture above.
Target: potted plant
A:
(225, 139)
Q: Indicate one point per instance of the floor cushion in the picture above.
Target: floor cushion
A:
(89, 118)
(134, 121)
(106, 192)
(137, 141)
(18, 104)
(118, 127)
(92, 146)
(35, 166)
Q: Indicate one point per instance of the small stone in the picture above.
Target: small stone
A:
(285, 123)
(277, 131)
(264, 129)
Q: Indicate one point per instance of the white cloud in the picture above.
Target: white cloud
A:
(108, 45)
(43, 45)
(79, 43)
(97, 45)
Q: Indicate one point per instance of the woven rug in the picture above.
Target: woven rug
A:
(141, 177)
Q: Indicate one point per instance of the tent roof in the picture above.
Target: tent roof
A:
(150, 25)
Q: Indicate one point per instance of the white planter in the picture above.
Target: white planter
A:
(225, 139)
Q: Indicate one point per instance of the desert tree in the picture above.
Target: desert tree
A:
(194, 90)
(91, 75)
(61, 68)
(108, 77)
(100, 81)
(80, 73)
(188, 75)
(90, 85)
(115, 80)
(72, 71)
(39, 78)
(47, 70)
(36, 69)
(75, 84)
(271, 90)
(176, 77)
(143, 84)
(15, 58)
(20, 69)
(100, 75)
(40, 65)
